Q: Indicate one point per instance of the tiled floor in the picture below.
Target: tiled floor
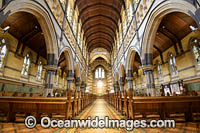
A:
(100, 108)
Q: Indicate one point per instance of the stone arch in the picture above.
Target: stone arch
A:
(97, 56)
(130, 58)
(44, 20)
(154, 21)
(116, 77)
(83, 76)
(122, 72)
(105, 66)
(68, 57)
(77, 70)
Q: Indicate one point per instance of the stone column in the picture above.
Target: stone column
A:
(51, 68)
(122, 86)
(116, 87)
(129, 77)
(83, 87)
(49, 80)
(148, 70)
(70, 78)
(78, 84)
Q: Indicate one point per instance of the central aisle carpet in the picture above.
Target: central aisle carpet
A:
(99, 108)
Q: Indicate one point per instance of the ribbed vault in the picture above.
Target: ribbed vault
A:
(99, 21)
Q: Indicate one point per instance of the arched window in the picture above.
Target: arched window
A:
(159, 68)
(99, 73)
(196, 50)
(2, 55)
(26, 65)
(172, 63)
(39, 71)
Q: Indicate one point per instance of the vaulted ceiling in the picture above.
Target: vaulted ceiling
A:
(25, 27)
(173, 28)
(99, 21)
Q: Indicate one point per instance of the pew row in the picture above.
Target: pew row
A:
(38, 106)
(163, 107)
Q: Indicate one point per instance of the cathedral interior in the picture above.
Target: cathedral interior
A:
(75, 59)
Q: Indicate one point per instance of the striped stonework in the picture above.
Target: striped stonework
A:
(70, 78)
(129, 77)
(78, 84)
(148, 70)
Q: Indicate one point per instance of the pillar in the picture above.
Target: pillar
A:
(116, 87)
(51, 68)
(121, 84)
(129, 77)
(78, 84)
(70, 78)
(148, 70)
(83, 87)
(49, 81)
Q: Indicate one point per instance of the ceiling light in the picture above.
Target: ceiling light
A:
(6, 29)
(193, 28)
(3, 41)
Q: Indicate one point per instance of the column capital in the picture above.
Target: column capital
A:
(129, 78)
(122, 80)
(147, 67)
(51, 67)
(70, 75)
(129, 75)
(78, 81)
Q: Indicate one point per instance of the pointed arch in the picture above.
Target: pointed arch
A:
(154, 21)
(44, 20)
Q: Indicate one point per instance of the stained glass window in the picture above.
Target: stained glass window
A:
(26, 65)
(2, 55)
(99, 73)
(39, 71)
(172, 62)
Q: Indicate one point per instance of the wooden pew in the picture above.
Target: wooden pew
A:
(125, 103)
(79, 102)
(119, 102)
(35, 106)
(164, 106)
(82, 101)
(74, 106)
(70, 102)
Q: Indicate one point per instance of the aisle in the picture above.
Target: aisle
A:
(99, 108)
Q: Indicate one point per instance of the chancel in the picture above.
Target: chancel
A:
(123, 60)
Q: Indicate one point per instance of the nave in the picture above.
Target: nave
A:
(71, 59)
(101, 108)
